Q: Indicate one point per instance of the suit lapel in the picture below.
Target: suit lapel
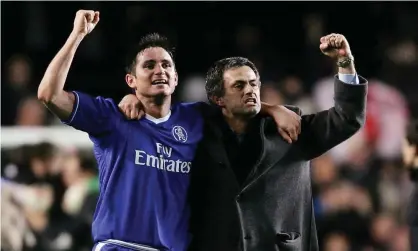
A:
(273, 148)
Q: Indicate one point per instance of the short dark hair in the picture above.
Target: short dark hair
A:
(147, 41)
(215, 75)
(412, 132)
(43, 151)
(87, 161)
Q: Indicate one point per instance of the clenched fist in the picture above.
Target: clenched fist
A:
(85, 21)
(335, 46)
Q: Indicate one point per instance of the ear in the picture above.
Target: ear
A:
(130, 80)
(176, 79)
(218, 101)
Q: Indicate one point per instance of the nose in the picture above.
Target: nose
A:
(249, 89)
(159, 69)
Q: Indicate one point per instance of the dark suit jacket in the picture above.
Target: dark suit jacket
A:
(272, 210)
(413, 211)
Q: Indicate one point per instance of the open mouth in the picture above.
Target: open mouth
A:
(159, 82)
(251, 101)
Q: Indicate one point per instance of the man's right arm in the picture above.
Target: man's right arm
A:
(51, 90)
(76, 109)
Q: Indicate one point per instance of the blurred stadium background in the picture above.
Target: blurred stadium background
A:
(49, 179)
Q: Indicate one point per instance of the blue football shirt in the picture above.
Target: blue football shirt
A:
(144, 168)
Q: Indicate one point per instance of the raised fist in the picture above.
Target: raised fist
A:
(335, 46)
(85, 21)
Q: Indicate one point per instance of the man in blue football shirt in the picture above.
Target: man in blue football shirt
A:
(143, 165)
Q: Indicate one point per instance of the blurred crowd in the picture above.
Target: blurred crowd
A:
(48, 197)
(361, 191)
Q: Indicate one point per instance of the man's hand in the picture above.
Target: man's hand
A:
(287, 121)
(335, 46)
(85, 21)
(131, 107)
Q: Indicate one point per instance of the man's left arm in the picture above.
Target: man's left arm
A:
(326, 129)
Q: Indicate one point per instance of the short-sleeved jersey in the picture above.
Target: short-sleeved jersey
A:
(144, 168)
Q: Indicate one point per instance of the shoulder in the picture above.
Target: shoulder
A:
(270, 125)
(100, 103)
(190, 105)
(99, 100)
(195, 108)
(269, 119)
(205, 109)
(295, 109)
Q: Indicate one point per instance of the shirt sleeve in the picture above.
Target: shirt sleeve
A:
(93, 115)
(349, 78)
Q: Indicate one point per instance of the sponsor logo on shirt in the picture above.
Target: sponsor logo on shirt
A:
(163, 161)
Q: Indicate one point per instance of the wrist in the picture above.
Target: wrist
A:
(266, 108)
(76, 37)
(346, 65)
(349, 70)
(73, 41)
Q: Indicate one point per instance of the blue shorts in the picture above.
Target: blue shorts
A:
(109, 247)
(105, 246)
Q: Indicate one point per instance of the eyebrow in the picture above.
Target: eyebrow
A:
(154, 61)
(239, 81)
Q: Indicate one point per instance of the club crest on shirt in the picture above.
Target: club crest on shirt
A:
(179, 133)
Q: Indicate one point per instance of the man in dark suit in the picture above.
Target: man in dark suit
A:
(250, 190)
(410, 159)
